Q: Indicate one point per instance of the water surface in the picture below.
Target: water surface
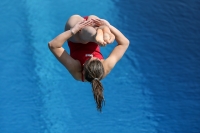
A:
(155, 87)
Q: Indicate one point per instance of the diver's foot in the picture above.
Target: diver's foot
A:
(99, 36)
(107, 35)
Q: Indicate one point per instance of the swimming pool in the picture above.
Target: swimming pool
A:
(154, 88)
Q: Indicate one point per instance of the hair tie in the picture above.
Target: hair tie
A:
(96, 79)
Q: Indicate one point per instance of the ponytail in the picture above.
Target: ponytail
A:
(94, 72)
(97, 89)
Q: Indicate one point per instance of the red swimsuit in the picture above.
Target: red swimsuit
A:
(79, 51)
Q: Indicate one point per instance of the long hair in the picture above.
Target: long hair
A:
(94, 72)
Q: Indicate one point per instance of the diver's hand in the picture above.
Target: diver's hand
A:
(100, 22)
(81, 25)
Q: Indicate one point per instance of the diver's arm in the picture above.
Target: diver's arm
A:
(62, 56)
(119, 49)
(59, 52)
(58, 41)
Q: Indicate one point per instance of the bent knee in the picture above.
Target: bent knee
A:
(92, 17)
(73, 20)
(75, 16)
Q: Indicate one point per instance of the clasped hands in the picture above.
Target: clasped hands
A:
(103, 36)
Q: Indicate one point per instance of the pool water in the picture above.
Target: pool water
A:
(155, 87)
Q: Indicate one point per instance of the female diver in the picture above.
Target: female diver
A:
(85, 61)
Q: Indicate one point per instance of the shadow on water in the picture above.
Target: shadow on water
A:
(165, 42)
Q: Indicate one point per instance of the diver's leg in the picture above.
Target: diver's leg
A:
(72, 21)
(108, 37)
(99, 37)
(90, 34)
(105, 37)
(87, 34)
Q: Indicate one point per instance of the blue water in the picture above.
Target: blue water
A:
(155, 88)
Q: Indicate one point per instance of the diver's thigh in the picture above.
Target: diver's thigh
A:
(74, 19)
(87, 34)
